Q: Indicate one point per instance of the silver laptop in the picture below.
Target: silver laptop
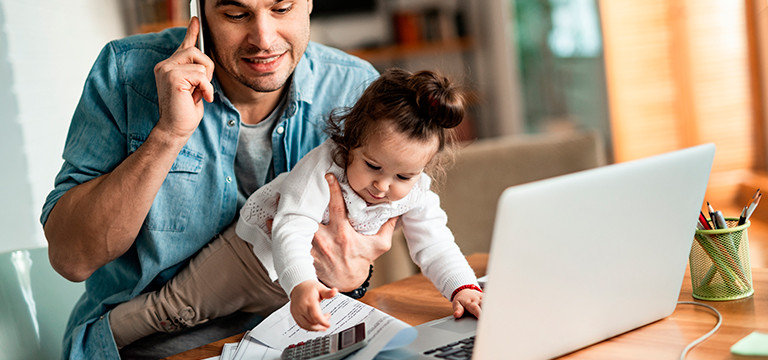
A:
(579, 258)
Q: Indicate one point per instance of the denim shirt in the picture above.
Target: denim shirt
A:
(198, 198)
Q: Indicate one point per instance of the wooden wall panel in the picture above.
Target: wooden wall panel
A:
(640, 86)
(678, 75)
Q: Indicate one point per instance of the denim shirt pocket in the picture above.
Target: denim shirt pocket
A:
(173, 206)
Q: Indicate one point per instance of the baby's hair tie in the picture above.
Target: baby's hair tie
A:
(432, 101)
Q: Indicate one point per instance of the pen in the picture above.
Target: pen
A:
(743, 216)
(712, 216)
(703, 221)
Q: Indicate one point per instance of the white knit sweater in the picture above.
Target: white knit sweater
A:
(303, 203)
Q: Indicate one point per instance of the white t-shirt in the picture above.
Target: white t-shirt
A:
(303, 203)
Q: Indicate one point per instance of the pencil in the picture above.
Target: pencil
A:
(753, 205)
(712, 216)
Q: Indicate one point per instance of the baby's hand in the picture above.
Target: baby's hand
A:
(305, 305)
(468, 299)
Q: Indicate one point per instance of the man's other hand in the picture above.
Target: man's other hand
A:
(343, 256)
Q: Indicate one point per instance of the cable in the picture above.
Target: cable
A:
(705, 336)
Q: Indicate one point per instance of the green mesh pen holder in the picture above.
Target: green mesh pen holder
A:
(719, 263)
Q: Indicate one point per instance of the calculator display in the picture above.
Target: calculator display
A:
(347, 337)
(351, 336)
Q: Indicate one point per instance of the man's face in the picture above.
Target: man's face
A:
(258, 43)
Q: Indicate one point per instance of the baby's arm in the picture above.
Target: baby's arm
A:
(305, 305)
(304, 197)
(432, 247)
(467, 298)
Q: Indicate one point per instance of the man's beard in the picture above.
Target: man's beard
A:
(253, 84)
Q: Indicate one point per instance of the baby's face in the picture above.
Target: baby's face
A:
(387, 166)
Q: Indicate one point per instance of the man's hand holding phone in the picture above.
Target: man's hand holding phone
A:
(183, 80)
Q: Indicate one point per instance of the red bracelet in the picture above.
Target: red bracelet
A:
(462, 287)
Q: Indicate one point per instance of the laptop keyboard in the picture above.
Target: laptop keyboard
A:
(461, 349)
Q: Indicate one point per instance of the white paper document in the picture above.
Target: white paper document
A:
(249, 349)
(279, 330)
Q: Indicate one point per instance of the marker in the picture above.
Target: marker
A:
(719, 219)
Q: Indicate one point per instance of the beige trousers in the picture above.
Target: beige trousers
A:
(226, 276)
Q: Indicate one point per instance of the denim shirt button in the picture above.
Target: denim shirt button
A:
(280, 130)
(231, 122)
(228, 179)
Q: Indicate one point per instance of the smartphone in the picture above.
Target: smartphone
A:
(329, 347)
(196, 10)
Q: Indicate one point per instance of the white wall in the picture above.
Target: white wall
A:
(46, 50)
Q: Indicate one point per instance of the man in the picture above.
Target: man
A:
(152, 173)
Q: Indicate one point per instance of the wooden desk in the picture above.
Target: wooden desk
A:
(415, 301)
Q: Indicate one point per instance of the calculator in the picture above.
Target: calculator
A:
(328, 347)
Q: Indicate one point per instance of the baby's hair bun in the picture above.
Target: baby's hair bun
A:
(439, 101)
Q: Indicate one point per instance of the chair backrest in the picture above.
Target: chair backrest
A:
(482, 170)
(35, 303)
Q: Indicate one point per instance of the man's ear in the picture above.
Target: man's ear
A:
(309, 6)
